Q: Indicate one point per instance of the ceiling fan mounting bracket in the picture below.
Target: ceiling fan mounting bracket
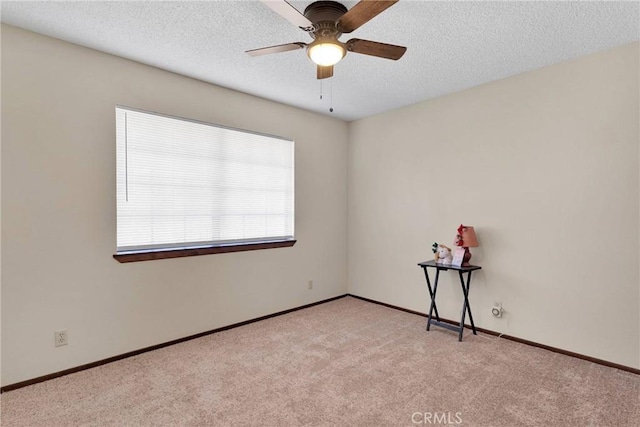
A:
(324, 15)
(324, 11)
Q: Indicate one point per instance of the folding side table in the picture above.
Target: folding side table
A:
(465, 291)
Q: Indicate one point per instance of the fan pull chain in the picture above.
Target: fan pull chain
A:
(331, 97)
(330, 94)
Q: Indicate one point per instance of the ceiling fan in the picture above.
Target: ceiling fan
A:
(326, 21)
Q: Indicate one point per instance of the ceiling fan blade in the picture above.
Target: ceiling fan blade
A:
(290, 13)
(362, 13)
(325, 72)
(382, 50)
(276, 49)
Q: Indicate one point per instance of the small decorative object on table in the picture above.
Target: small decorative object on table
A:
(443, 255)
(466, 238)
(434, 249)
(458, 256)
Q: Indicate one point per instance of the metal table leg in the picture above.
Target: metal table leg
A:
(432, 308)
(465, 306)
(431, 293)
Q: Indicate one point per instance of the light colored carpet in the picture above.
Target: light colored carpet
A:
(344, 363)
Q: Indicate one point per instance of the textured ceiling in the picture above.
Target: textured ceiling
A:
(451, 45)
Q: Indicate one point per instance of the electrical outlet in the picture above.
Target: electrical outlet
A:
(60, 337)
(310, 284)
(497, 310)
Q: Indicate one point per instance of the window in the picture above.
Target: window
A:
(187, 188)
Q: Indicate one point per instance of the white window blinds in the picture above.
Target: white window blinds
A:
(184, 184)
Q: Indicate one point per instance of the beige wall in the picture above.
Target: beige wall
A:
(545, 166)
(58, 212)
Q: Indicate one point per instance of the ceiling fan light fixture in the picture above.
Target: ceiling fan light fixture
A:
(326, 53)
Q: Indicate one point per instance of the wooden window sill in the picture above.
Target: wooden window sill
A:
(178, 253)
